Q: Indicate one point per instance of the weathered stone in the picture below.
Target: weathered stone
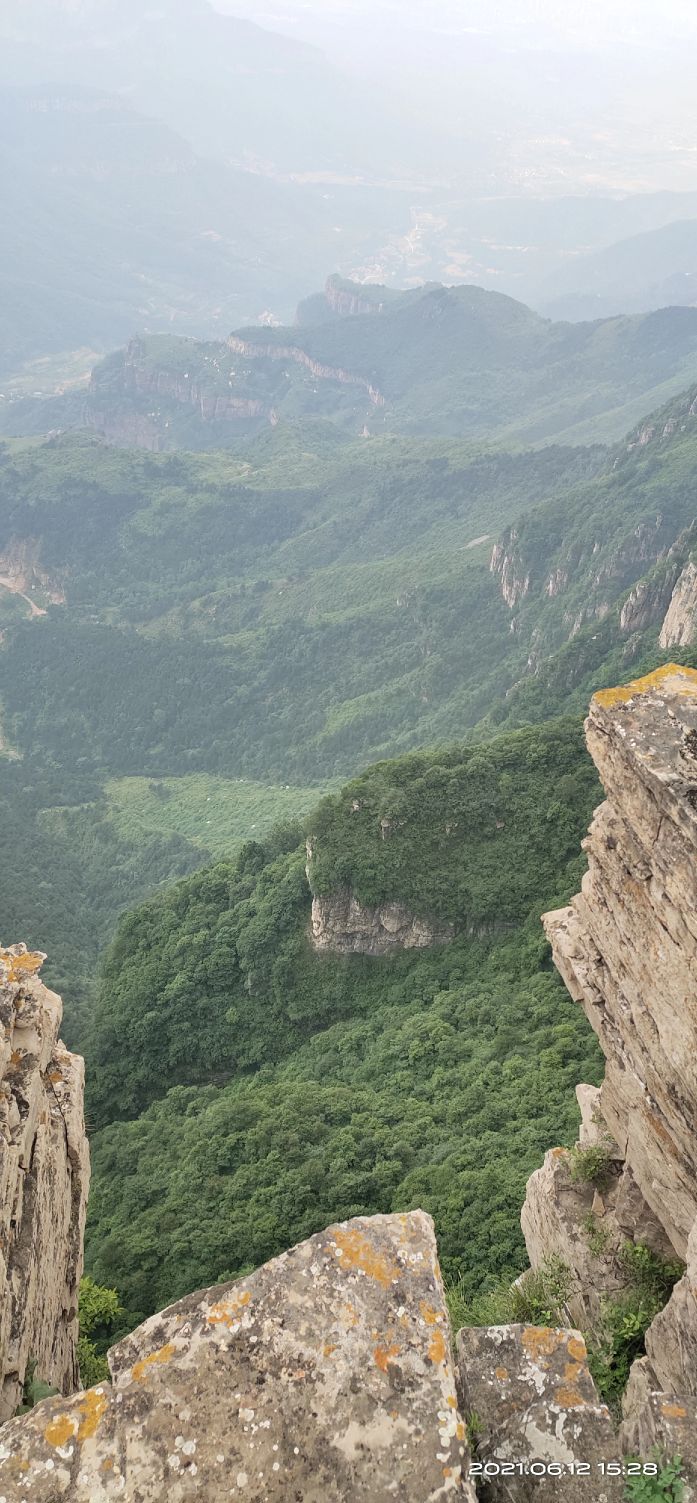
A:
(343, 926)
(666, 1426)
(44, 1176)
(586, 1226)
(530, 1399)
(593, 1129)
(627, 946)
(324, 1376)
(679, 628)
(671, 1340)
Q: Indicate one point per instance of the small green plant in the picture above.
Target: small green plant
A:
(99, 1310)
(537, 1298)
(653, 1275)
(625, 1320)
(591, 1165)
(33, 1389)
(666, 1487)
(597, 1236)
(473, 1426)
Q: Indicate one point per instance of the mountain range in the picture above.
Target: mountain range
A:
(453, 361)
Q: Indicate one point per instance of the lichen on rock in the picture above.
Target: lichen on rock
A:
(325, 1376)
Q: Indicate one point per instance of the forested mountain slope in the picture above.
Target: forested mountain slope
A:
(289, 1086)
(457, 361)
(460, 361)
(287, 617)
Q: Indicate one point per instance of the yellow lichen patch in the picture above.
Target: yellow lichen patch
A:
(355, 1252)
(684, 682)
(673, 1411)
(451, 1401)
(18, 966)
(91, 1408)
(107, 1464)
(156, 1359)
(329, 1348)
(460, 1430)
(576, 1349)
(383, 1354)
(568, 1397)
(432, 1317)
(437, 1347)
(228, 1314)
(502, 1374)
(61, 1430)
(540, 1341)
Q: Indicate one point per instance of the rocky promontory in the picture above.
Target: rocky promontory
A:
(44, 1178)
(627, 949)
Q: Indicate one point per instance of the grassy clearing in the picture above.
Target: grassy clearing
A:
(219, 814)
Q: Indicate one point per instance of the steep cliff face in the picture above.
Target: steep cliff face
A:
(346, 301)
(296, 356)
(627, 950)
(134, 395)
(44, 1177)
(343, 926)
(679, 628)
(511, 569)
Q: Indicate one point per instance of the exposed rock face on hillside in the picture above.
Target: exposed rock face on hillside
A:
(22, 574)
(513, 574)
(343, 926)
(627, 950)
(296, 356)
(679, 628)
(44, 1176)
(346, 301)
(326, 1376)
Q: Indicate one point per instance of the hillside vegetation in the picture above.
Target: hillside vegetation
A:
(287, 617)
(289, 1088)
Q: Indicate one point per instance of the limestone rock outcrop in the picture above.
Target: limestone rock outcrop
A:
(679, 628)
(627, 945)
(542, 1432)
(626, 948)
(586, 1228)
(343, 926)
(44, 1177)
(325, 1376)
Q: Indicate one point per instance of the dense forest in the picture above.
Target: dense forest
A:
(272, 1089)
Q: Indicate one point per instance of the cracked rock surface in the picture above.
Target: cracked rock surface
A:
(326, 1375)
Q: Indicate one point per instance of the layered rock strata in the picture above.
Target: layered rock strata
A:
(627, 945)
(627, 949)
(44, 1177)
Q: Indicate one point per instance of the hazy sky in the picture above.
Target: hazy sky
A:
(587, 20)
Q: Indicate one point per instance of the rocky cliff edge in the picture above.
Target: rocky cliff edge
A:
(44, 1177)
(626, 948)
